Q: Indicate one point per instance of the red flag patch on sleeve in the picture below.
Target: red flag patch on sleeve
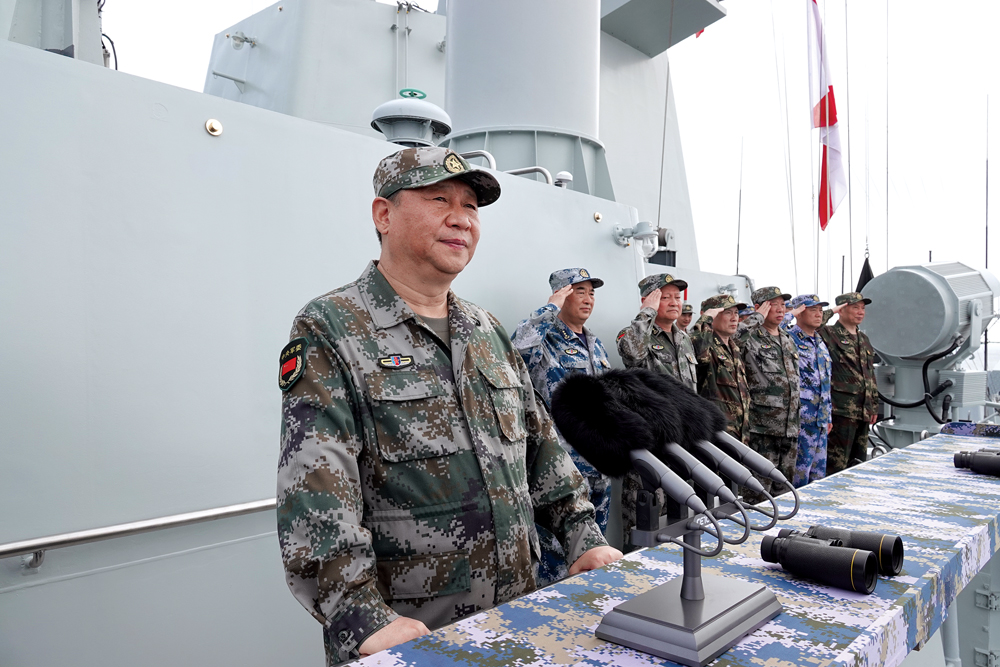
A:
(292, 363)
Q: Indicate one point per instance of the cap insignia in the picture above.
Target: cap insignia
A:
(453, 164)
(584, 274)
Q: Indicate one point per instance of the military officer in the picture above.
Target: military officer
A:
(684, 321)
(720, 372)
(772, 365)
(855, 395)
(555, 342)
(414, 456)
(814, 387)
(655, 342)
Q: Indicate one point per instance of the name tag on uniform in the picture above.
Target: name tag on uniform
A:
(395, 361)
(657, 347)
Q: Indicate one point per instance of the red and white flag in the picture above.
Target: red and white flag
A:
(833, 179)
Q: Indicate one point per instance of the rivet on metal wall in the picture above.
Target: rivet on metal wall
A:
(597, 217)
(213, 127)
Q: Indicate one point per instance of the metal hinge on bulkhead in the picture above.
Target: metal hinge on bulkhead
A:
(987, 599)
(987, 658)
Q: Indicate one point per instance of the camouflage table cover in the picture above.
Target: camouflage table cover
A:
(948, 520)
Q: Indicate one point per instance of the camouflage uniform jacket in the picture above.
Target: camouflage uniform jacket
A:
(644, 344)
(552, 351)
(855, 394)
(722, 378)
(772, 366)
(408, 481)
(814, 376)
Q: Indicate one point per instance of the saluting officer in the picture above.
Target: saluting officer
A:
(721, 375)
(414, 458)
(655, 342)
(855, 394)
(555, 342)
(772, 365)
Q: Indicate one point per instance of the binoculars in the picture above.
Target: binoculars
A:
(847, 559)
(985, 461)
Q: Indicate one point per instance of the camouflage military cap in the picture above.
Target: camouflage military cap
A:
(564, 277)
(763, 294)
(658, 280)
(419, 167)
(747, 311)
(724, 301)
(807, 300)
(851, 297)
(686, 309)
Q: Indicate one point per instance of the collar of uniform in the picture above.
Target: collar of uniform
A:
(797, 330)
(841, 329)
(384, 306)
(387, 309)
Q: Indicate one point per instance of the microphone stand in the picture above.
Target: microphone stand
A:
(694, 618)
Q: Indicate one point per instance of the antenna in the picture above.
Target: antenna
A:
(986, 329)
(739, 211)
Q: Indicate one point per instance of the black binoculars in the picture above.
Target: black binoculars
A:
(985, 461)
(847, 559)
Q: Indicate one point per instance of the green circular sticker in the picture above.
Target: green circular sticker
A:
(412, 93)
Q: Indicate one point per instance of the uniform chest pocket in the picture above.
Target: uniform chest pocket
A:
(575, 360)
(504, 387)
(413, 415)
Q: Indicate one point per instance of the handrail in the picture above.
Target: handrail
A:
(490, 160)
(534, 170)
(39, 545)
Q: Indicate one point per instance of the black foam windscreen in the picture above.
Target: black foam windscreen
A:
(604, 417)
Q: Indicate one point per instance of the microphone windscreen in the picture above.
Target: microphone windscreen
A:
(595, 416)
(679, 414)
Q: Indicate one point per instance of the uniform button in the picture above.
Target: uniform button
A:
(342, 635)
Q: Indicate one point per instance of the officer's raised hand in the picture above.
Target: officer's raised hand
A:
(713, 312)
(652, 300)
(595, 558)
(798, 310)
(764, 308)
(558, 298)
(401, 630)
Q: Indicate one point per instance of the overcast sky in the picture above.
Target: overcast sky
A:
(745, 80)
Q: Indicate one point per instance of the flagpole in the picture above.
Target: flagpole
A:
(986, 332)
(886, 135)
(850, 199)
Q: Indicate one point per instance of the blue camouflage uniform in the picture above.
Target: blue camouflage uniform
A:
(815, 404)
(551, 351)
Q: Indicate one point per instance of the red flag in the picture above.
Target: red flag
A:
(833, 180)
(698, 34)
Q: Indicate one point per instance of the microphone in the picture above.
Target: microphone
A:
(608, 417)
(748, 457)
(657, 472)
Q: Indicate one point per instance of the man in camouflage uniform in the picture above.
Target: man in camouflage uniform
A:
(653, 341)
(745, 313)
(772, 362)
(414, 457)
(555, 342)
(687, 313)
(814, 387)
(721, 376)
(855, 395)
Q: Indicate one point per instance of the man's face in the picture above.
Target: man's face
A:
(811, 317)
(776, 313)
(854, 313)
(437, 225)
(726, 322)
(670, 303)
(684, 321)
(580, 303)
